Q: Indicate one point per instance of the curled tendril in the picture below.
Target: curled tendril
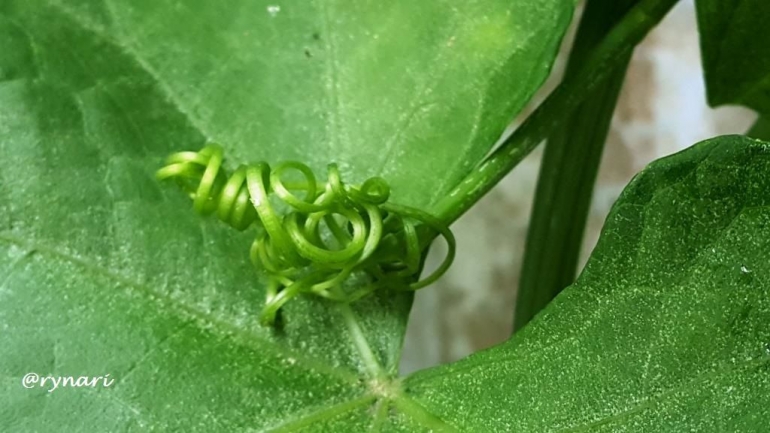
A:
(314, 235)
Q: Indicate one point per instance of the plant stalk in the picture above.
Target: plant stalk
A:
(549, 116)
(568, 172)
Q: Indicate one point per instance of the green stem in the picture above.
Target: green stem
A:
(760, 129)
(568, 172)
(549, 116)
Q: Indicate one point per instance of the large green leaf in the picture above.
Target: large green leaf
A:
(735, 46)
(104, 271)
(666, 330)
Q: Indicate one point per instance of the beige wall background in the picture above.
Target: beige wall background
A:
(662, 110)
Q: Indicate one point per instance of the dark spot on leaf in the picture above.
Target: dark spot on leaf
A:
(307, 53)
(316, 36)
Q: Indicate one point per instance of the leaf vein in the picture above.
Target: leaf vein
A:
(239, 336)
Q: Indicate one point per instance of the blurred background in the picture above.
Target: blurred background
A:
(662, 110)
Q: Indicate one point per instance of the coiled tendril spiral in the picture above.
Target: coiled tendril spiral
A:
(312, 242)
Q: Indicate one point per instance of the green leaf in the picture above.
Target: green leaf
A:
(666, 330)
(105, 271)
(735, 46)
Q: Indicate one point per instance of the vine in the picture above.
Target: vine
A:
(313, 242)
